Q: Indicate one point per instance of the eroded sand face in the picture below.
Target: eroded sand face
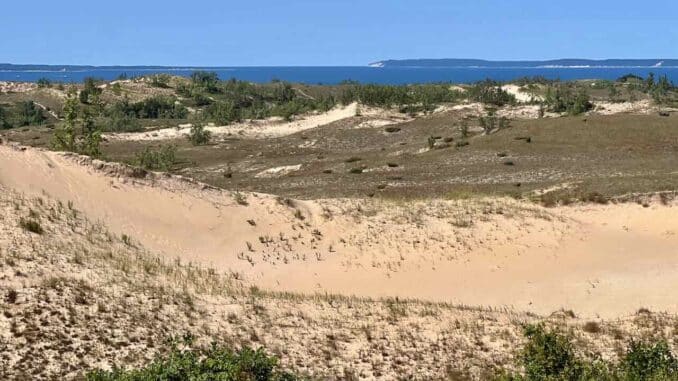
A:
(602, 260)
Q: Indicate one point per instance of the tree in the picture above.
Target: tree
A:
(67, 137)
(649, 82)
(30, 114)
(3, 119)
(91, 90)
(91, 137)
(64, 136)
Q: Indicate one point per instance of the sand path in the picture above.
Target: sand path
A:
(272, 127)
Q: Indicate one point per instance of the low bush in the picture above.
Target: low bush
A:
(158, 107)
(215, 363)
(198, 135)
(120, 122)
(550, 355)
(160, 80)
(564, 99)
(161, 159)
(29, 114)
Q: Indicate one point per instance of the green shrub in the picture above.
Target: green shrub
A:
(490, 123)
(120, 122)
(564, 99)
(91, 91)
(158, 107)
(85, 140)
(44, 83)
(160, 80)
(223, 113)
(215, 363)
(490, 92)
(4, 122)
(550, 356)
(116, 88)
(408, 98)
(200, 99)
(648, 361)
(28, 114)
(161, 159)
(198, 135)
(205, 80)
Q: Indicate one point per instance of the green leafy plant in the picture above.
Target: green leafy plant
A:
(214, 363)
(161, 159)
(199, 135)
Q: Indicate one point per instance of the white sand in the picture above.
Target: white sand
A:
(521, 96)
(278, 171)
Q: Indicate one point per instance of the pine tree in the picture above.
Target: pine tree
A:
(64, 136)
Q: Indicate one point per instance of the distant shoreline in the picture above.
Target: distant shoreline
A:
(570, 63)
(403, 63)
(390, 74)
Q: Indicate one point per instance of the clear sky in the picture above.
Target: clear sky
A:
(331, 32)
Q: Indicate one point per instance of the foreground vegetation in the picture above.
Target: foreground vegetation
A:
(205, 98)
(551, 356)
(548, 355)
(214, 363)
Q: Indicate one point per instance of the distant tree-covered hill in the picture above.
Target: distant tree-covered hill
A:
(31, 67)
(456, 62)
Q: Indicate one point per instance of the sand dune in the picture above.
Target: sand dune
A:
(606, 260)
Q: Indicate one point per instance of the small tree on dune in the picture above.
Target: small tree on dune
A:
(67, 137)
(198, 135)
(64, 136)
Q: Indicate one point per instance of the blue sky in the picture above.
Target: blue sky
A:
(331, 32)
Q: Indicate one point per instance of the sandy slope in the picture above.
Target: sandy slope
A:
(76, 298)
(597, 260)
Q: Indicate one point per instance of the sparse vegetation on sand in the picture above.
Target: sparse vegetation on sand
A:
(462, 217)
(109, 310)
(551, 355)
(214, 363)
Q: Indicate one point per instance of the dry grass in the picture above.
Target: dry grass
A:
(78, 297)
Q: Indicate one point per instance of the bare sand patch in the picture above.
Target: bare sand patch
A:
(278, 171)
(98, 300)
(610, 108)
(599, 260)
(16, 87)
(521, 96)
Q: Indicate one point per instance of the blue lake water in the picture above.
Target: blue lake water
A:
(333, 75)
